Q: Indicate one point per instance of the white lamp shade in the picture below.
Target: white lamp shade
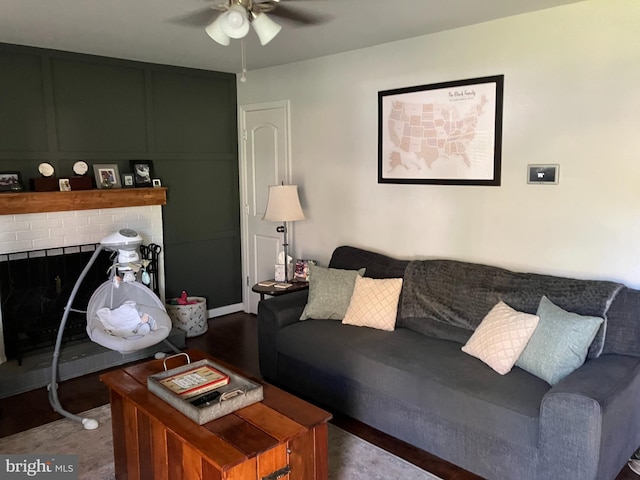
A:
(235, 23)
(265, 28)
(283, 204)
(214, 30)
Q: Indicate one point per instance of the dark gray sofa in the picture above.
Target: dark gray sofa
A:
(424, 390)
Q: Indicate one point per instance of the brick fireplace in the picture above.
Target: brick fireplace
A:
(23, 232)
(37, 221)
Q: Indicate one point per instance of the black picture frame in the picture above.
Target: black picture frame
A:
(142, 172)
(128, 180)
(447, 133)
(10, 182)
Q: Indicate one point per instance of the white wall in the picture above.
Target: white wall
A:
(572, 97)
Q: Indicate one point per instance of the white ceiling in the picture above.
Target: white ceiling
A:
(146, 30)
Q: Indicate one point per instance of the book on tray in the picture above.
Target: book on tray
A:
(196, 381)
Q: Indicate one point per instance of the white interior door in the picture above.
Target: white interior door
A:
(265, 160)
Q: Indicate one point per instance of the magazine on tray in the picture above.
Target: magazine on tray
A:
(195, 381)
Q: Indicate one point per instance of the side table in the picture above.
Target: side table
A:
(273, 291)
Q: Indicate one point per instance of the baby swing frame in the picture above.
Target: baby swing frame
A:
(88, 423)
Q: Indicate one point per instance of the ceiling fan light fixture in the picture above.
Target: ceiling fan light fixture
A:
(265, 28)
(235, 22)
(215, 31)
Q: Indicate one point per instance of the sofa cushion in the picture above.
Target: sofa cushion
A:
(422, 371)
(374, 303)
(377, 265)
(330, 291)
(501, 337)
(559, 344)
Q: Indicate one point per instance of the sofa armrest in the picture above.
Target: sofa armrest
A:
(273, 315)
(590, 421)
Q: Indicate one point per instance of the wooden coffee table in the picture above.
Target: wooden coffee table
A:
(152, 440)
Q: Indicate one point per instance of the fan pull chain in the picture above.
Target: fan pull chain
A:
(243, 77)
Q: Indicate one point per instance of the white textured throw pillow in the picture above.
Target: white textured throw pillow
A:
(501, 337)
(374, 303)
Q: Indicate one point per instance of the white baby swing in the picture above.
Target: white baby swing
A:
(114, 295)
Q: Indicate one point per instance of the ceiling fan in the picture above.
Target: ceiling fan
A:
(237, 16)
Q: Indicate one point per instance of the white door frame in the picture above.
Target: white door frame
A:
(244, 200)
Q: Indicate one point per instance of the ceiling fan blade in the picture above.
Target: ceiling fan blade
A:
(285, 12)
(200, 18)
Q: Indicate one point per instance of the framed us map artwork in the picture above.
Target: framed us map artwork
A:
(442, 134)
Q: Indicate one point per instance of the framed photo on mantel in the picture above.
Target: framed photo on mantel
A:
(443, 134)
(107, 175)
(10, 182)
(142, 172)
(127, 180)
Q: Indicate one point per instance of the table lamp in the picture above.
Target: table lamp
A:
(283, 205)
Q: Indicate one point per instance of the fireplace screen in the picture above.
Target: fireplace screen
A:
(35, 288)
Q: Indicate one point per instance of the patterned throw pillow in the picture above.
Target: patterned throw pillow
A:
(560, 343)
(501, 337)
(330, 291)
(374, 303)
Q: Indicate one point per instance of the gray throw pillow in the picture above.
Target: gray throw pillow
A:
(559, 344)
(330, 292)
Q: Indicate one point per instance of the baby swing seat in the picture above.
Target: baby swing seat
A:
(109, 296)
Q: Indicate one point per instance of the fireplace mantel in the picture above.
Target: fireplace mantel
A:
(40, 202)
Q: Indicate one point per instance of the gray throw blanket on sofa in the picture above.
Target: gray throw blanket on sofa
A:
(448, 299)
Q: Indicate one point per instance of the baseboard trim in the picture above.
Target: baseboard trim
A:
(226, 310)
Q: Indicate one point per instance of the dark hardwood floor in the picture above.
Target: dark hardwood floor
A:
(232, 338)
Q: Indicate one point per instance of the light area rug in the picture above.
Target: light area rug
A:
(350, 458)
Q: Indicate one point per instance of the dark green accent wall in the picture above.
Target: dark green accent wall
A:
(62, 107)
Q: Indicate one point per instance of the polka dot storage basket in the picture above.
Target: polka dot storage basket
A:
(191, 318)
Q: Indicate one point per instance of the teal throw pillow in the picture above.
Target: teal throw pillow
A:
(559, 344)
(330, 291)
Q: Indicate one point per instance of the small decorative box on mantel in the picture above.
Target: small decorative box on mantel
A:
(44, 184)
(81, 183)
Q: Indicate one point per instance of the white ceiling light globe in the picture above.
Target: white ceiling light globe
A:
(235, 23)
(214, 30)
(235, 19)
(265, 28)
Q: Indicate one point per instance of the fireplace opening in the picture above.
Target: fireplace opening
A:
(35, 287)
